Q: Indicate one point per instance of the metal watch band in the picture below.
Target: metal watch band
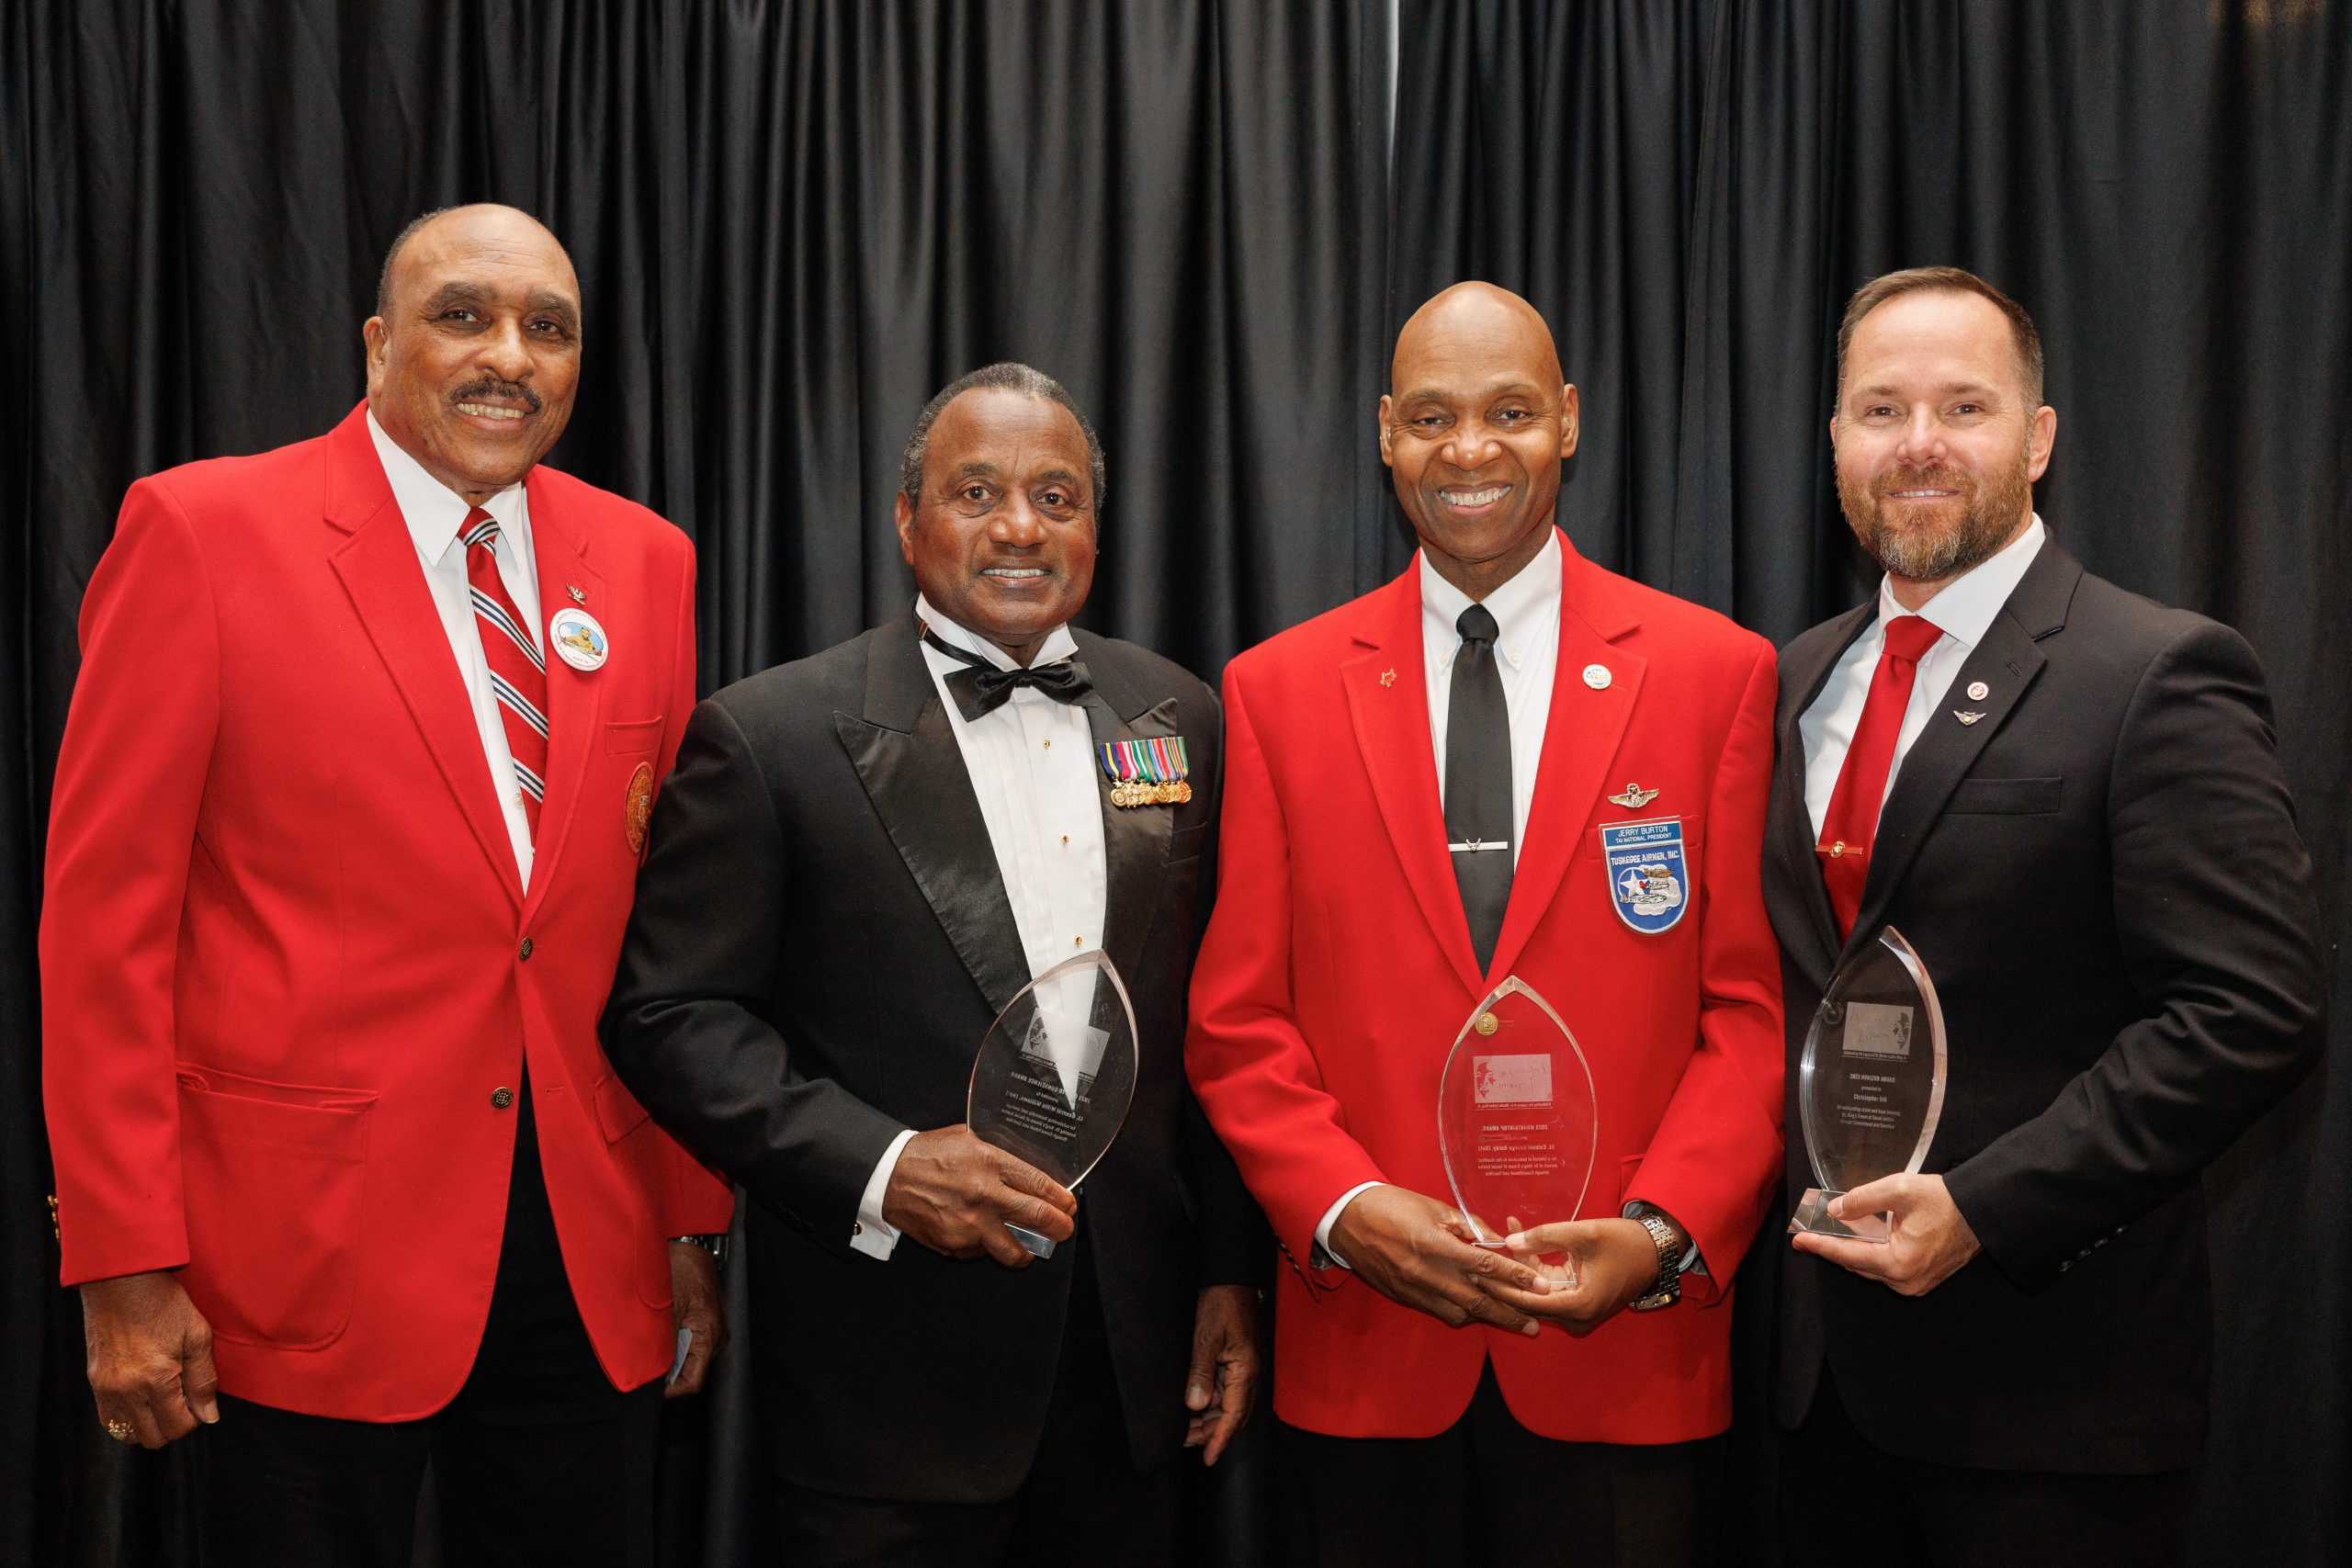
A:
(1669, 1288)
(713, 1245)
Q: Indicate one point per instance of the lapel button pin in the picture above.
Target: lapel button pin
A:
(577, 596)
(1978, 691)
(1597, 676)
(1964, 716)
(1388, 677)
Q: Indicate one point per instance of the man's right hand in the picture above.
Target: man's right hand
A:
(956, 1194)
(1411, 1250)
(149, 1357)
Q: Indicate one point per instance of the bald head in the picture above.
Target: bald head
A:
(473, 354)
(1474, 429)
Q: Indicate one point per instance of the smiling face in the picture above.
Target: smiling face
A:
(473, 366)
(1001, 535)
(1474, 430)
(1936, 438)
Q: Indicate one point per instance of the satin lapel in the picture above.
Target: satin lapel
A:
(1793, 836)
(380, 570)
(1135, 837)
(2006, 661)
(1580, 738)
(1392, 725)
(906, 755)
(575, 697)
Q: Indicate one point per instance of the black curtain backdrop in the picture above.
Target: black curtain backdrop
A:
(793, 221)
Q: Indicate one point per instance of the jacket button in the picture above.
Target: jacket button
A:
(525, 949)
(500, 1099)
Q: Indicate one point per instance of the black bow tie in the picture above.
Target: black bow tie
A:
(983, 688)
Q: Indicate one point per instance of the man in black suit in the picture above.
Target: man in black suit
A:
(2066, 799)
(860, 860)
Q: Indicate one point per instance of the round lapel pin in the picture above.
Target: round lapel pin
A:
(1978, 691)
(1597, 676)
(579, 640)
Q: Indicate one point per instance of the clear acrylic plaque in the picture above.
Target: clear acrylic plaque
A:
(1056, 1073)
(1517, 1119)
(1870, 1085)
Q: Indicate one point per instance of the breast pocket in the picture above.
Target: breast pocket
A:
(2005, 798)
(633, 736)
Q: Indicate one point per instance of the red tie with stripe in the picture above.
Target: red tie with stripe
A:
(1851, 825)
(518, 671)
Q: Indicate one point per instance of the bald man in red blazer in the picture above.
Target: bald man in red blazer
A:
(323, 1088)
(1439, 1415)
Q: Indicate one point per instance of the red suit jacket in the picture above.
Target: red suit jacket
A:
(1338, 970)
(287, 958)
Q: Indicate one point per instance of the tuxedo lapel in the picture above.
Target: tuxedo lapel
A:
(1388, 703)
(1135, 838)
(380, 570)
(1792, 838)
(905, 756)
(2006, 661)
(575, 697)
(1580, 738)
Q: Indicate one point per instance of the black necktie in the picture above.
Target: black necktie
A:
(1477, 781)
(983, 688)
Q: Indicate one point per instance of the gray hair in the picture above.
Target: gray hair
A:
(1007, 376)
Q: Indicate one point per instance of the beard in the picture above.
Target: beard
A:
(1900, 537)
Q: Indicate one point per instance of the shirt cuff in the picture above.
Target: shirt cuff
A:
(1323, 1230)
(872, 1234)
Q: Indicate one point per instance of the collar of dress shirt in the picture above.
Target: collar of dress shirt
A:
(1965, 606)
(1058, 644)
(1522, 608)
(435, 513)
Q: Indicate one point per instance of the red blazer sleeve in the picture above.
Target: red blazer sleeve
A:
(123, 830)
(1716, 1158)
(695, 1199)
(1251, 1070)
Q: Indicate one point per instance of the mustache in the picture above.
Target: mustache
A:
(495, 387)
(1937, 475)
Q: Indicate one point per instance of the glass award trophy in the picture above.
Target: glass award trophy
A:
(1517, 1122)
(1056, 1073)
(1870, 1085)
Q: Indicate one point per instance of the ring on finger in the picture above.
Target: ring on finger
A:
(121, 1430)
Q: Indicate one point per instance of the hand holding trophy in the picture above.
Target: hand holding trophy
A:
(1871, 1085)
(1056, 1073)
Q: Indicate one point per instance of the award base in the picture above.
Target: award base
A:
(1038, 1246)
(1813, 1215)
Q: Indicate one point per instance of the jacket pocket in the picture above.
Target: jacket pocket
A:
(2005, 798)
(275, 1176)
(617, 1111)
(633, 736)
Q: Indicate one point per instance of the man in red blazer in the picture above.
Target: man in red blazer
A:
(346, 826)
(1421, 798)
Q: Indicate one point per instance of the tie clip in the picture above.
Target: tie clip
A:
(1472, 846)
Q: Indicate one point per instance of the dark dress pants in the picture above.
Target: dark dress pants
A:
(1488, 1491)
(538, 1459)
(1844, 1504)
(1081, 1506)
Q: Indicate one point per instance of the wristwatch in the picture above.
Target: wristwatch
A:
(713, 1245)
(1669, 1288)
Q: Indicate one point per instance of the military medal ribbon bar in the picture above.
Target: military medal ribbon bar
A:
(1146, 772)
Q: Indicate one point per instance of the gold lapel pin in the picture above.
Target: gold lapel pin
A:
(1633, 798)
(577, 596)
(1388, 677)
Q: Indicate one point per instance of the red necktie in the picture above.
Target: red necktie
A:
(518, 672)
(1851, 822)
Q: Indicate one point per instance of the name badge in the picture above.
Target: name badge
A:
(1648, 881)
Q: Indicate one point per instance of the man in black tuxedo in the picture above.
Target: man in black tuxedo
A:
(861, 858)
(2066, 799)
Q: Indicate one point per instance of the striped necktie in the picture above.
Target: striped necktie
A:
(518, 671)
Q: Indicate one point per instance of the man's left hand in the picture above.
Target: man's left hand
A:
(1610, 1264)
(1929, 1237)
(1225, 1361)
(694, 1306)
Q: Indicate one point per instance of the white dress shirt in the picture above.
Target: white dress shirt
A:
(1031, 765)
(433, 513)
(1527, 654)
(1963, 611)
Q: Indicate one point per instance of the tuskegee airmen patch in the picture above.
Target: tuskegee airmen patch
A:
(1648, 880)
(637, 806)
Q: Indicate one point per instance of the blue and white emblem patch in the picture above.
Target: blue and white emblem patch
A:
(1647, 879)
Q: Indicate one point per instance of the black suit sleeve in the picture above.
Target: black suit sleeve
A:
(1237, 1247)
(2215, 916)
(687, 1026)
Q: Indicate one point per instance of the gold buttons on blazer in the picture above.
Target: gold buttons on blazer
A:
(1488, 1023)
(501, 1098)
